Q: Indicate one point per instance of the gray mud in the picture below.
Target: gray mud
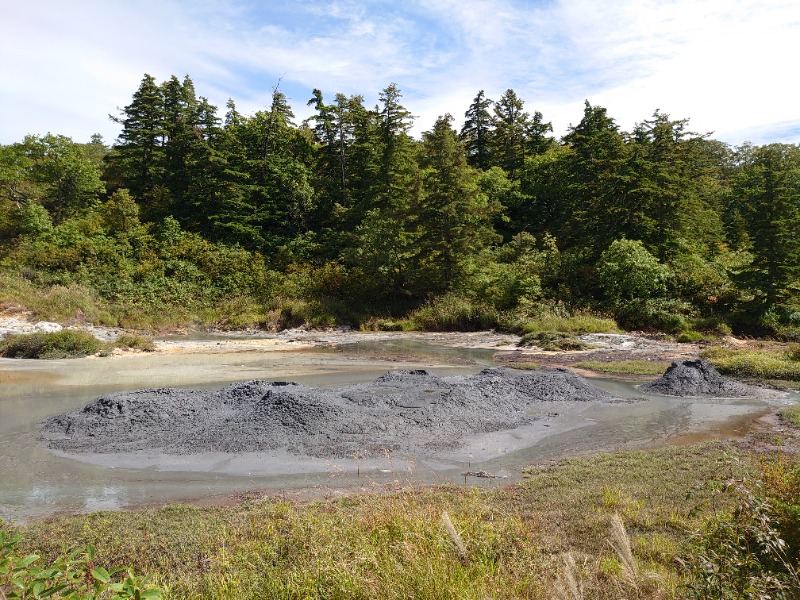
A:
(404, 411)
(699, 378)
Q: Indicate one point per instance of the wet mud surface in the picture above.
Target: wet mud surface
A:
(407, 411)
(698, 377)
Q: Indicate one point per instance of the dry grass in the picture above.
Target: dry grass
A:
(506, 543)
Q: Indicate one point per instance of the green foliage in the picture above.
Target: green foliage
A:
(75, 575)
(195, 214)
(758, 364)
(66, 343)
(690, 336)
(552, 341)
(131, 341)
(556, 318)
(743, 554)
(455, 312)
(625, 367)
(669, 316)
(628, 271)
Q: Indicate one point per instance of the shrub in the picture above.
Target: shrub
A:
(134, 342)
(67, 343)
(627, 271)
(454, 312)
(690, 336)
(552, 341)
(756, 364)
(742, 554)
(75, 575)
(669, 316)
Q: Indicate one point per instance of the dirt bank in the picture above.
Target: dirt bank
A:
(401, 411)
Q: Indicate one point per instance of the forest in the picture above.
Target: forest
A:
(345, 219)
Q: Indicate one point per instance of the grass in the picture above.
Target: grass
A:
(553, 341)
(576, 323)
(66, 343)
(454, 312)
(503, 543)
(129, 341)
(791, 415)
(524, 366)
(57, 302)
(763, 364)
(625, 367)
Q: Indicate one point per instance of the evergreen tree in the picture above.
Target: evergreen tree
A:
(476, 132)
(453, 217)
(384, 240)
(139, 150)
(511, 125)
(599, 183)
(768, 189)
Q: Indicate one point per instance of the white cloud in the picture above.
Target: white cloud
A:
(726, 64)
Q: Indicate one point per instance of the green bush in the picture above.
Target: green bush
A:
(743, 554)
(689, 336)
(66, 343)
(758, 364)
(75, 575)
(577, 322)
(552, 341)
(454, 312)
(627, 271)
(669, 316)
(134, 342)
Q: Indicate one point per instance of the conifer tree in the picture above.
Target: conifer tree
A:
(476, 132)
(453, 217)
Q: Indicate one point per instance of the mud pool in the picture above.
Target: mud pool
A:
(36, 482)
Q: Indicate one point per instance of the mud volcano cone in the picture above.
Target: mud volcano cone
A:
(699, 378)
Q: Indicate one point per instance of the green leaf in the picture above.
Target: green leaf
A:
(53, 590)
(31, 558)
(101, 575)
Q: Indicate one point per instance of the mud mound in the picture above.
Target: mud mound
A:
(399, 411)
(700, 378)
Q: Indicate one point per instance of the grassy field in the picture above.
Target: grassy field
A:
(625, 367)
(763, 363)
(540, 538)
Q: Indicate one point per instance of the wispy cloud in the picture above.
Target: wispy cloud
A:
(726, 64)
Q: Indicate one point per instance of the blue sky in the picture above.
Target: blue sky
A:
(728, 65)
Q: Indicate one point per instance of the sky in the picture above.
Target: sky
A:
(727, 65)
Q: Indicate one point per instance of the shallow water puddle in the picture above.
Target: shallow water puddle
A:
(35, 482)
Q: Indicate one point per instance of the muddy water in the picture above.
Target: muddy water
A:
(35, 482)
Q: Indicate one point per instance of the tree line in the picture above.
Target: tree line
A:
(660, 226)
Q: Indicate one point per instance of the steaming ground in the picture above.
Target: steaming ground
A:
(401, 411)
